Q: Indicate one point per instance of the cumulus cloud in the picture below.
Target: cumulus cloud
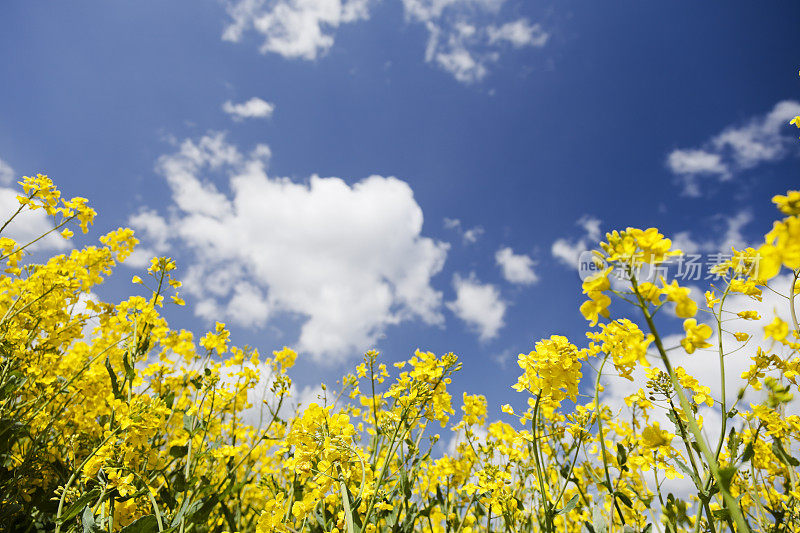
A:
(730, 236)
(253, 108)
(762, 139)
(152, 231)
(7, 173)
(517, 268)
(468, 235)
(346, 260)
(479, 305)
(464, 38)
(568, 251)
(518, 34)
(294, 29)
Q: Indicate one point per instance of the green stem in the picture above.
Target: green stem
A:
(603, 444)
(730, 502)
(72, 479)
(539, 474)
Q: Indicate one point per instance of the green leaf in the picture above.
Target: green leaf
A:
(439, 495)
(748, 452)
(391, 519)
(187, 509)
(169, 399)
(726, 476)
(696, 447)
(79, 504)
(181, 484)
(114, 383)
(569, 506)
(599, 523)
(689, 472)
(129, 373)
(624, 499)
(87, 519)
(145, 524)
(733, 443)
(318, 517)
(405, 486)
(721, 514)
(622, 454)
(189, 423)
(11, 431)
(348, 513)
(780, 453)
(178, 451)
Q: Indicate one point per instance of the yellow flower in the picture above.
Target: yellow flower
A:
(685, 307)
(696, 335)
(711, 299)
(702, 394)
(777, 329)
(789, 204)
(650, 292)
(553, 368)
(625, 342)
(781, 248)
(596, 307)
(748, 315)
(216, 341)
(474, 409)
(286, 357)
(636, 247)
(655, 437)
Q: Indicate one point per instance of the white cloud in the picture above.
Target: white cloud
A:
(479, 305)
(294, 29)
(152, 229)
(253, 108)
(7, 173)
(568, 251)
(516, 268)
(473, 234)
(28, 225)
(519, 33)
(452, 223)
(502, 358)
(761, 139)
(463, 38)
(732, 236)
(469, 236)
(347, 260)
(696, 162)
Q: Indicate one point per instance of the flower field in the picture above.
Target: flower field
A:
(111, 420)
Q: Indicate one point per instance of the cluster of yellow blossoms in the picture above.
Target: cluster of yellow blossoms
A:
(110, 420)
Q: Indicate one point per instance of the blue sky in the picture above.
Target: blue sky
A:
(488, 125)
